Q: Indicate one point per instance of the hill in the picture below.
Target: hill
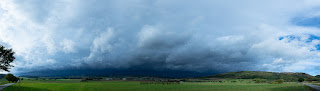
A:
(287, 76)
(2, 75)
(115, 73)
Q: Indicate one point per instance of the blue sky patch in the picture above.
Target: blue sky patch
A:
(318, 47)
(313, 37)
(290, 37)
(310, 39)
(307, 21)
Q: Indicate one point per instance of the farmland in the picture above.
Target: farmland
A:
(3, 81)
(77, 85)
(233, 81)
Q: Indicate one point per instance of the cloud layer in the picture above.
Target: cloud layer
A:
(179, 35)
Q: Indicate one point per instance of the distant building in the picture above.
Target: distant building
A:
(109, 79)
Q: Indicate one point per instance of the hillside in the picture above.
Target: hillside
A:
(2, 75)
(287, 76)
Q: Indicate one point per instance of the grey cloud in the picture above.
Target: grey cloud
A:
(199, 36)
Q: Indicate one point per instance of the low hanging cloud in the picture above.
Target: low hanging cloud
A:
(180, 35)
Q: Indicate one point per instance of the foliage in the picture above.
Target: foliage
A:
(6, 57)
(274, 83)
(309, 79)
(280, 81)
(11, 78)
(300, 79)
(286, 76)
(15, 79)
(258, 80)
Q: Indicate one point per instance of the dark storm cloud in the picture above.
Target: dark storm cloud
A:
(156, 35)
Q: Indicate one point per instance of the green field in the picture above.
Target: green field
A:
(76, 85)
(3, 81)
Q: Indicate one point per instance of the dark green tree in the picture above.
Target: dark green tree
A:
(309, 79)
(280, 81)
(6, 57)
(10, 77)
(15, 79)
(300, 79)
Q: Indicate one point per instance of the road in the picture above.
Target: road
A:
(5, 85)
(316, 87)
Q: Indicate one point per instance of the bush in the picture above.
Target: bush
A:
(280, 81)
(15, 79)
(300, 79)
(11, 78)
(259, 80)
(273, 82)
(309, 79)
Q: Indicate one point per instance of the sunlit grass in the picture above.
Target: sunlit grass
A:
(76, 85)
(3, 81)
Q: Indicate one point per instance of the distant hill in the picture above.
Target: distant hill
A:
(287, 76)
(115, 73)
(2, 75)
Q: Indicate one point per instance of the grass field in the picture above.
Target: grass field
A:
(76, 85)
(3, 81)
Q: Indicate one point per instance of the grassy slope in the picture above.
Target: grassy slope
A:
(264, 75)
(3, 81)
(73, 85)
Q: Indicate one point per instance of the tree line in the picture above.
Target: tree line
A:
(286, 76)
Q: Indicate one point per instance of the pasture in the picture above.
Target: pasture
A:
(3, 81)
(77, 85)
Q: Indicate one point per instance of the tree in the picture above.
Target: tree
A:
(6, 57)
(10, 77)
(280, 81)
(15, 79)
(300, 79)
(309, 79)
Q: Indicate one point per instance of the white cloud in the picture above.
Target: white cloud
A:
(68, 46)
(193, 35)
(102, 42)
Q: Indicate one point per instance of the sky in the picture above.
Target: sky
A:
(150, 36)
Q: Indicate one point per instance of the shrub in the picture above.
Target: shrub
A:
(280, 81)
(300, 79)
(274, 83)
(259, 80)
(11, 78)
(15, 79)
(309, 79)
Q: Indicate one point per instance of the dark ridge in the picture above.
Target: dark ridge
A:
(116, 73)
(287, 76)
